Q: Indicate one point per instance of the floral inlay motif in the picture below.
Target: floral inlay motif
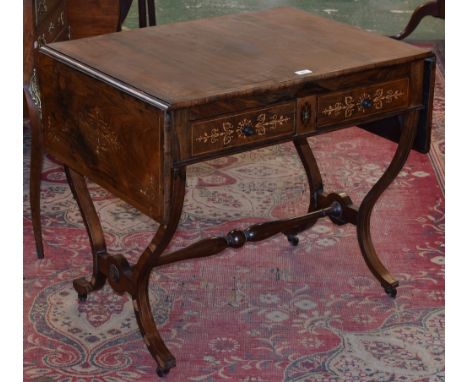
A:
(41, 7)
(100, 131)
(228, 132)
(350, 105)
(51, 26)
(41, 40)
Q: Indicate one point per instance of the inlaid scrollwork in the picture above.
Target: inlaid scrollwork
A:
(380, 98)
(61, 19)
(100, 131)
(350, 105)
(41, 7)
(263, 125)
(41, 40)
(228, 132)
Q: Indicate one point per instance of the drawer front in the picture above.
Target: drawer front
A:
(52, 27)
(242, 129)
(357, 103)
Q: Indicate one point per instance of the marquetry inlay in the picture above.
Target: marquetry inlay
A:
(350, 104)
(41, 7)
(228, 131)
(99, 131)
(61, 19)
(356, 103)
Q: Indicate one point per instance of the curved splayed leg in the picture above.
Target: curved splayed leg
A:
(314, 180)
(96, 236)
(142, 271)
(388, 282)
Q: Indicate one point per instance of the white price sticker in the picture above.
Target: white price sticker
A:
(303, 71)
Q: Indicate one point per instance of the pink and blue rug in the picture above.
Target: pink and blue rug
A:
(267, 312)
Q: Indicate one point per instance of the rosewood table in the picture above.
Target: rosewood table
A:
(132, 110)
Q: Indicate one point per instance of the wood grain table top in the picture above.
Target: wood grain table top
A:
(194, 62)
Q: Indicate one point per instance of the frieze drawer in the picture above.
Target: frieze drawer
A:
(356, 103)
(242, 129)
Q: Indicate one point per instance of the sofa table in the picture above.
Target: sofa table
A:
(131, 110)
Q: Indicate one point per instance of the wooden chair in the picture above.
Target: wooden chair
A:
(145, 19)
(46, 21)
(433, 8)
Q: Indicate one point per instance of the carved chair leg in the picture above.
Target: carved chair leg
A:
(431, 8)
(37, 156)
(314, 180)
(95, 233)
(410, 121)
(151, 12)
(124, 9)
(145, 20)
(141, 273)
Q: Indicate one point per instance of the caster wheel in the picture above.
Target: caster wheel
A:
(391, 291)
(293, 239)
(82, 297)
(162, 372)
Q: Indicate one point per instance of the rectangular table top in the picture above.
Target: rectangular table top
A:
(194, 62)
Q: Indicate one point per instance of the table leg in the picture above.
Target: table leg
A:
(96, 236)
(135, 279)
(121, 276)
(314, 181)
(388, 282)
(37, 157)
(141, 275)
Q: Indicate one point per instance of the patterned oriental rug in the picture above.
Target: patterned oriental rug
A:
(266, 312)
